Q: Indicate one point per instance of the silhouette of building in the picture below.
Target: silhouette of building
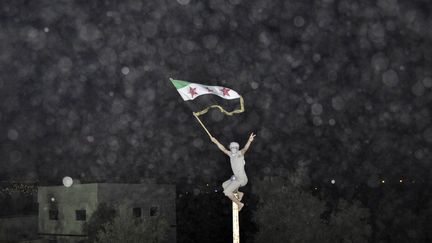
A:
(64, 210)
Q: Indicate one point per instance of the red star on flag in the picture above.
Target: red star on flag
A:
(225, 91)
(192, 91)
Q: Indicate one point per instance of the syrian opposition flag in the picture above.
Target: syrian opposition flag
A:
(203, 97)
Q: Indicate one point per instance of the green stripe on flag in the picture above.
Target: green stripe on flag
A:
(179, 83)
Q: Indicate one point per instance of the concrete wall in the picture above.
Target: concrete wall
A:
(66, 200)
(144, 196)
(124, 197)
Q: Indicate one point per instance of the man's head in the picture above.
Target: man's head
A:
(234, 147)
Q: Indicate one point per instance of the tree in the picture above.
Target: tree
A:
(104, 214)
(348, 223)
(126, 230)
(6, 235)
(287, 213)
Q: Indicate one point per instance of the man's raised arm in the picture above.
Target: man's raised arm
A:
(220, 146)
(246, 147)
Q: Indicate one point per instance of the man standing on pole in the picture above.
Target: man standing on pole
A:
(237, 165)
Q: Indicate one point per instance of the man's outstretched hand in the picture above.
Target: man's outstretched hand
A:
(251, 137)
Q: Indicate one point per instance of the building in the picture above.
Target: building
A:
(64, 210)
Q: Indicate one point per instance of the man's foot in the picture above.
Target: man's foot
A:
(235, 200)
(240, 195)
(240, 206)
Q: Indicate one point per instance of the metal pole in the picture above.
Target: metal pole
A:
(236, 222)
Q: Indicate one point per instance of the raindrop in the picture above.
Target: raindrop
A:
(196, 191)
(210, 41)
(317, 121)
(12, 134)
(338, 103)
(65, 64)
(67, 181)
(389, 7)
(90, 139)
(46, 29)
(333, 181)
(390, 25)
(309, 100)
(419, 154)
(235, 2)
(418, 89)
(111, 158)
(15, 156)
(254, 85)
(125, 70)
(117, 107)
(390, 78)
(299, 21)
(88, 32)
(427, 82)
(376, 33)
(183, 2)
(332, 75)
(316, 109)
(149, 29)
(332, 122)
(263, 37)
(316, 57)
(427, 135)
(114, 144)
(187, 46)
(216, 116)
(198, 143)
(149, 94)
(379, 62)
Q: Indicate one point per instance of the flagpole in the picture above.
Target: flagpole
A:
(202, 124)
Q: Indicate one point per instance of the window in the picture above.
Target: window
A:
(80, 215)
(137, 212)
(154, 211)
(53, 214)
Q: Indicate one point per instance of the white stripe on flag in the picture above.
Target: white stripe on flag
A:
(194, 90)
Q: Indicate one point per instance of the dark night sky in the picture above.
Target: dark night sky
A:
(342, 87)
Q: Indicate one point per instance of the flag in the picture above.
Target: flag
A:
(203, 97)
